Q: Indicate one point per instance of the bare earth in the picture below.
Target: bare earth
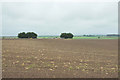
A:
(59, 58)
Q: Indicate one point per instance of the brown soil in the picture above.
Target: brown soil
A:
(59, 58)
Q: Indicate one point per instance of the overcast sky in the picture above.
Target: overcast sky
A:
(53, 18)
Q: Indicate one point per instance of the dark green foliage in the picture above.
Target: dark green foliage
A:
(98, 37)
(31, 35)
(22, 35)
(66, 35)
(27, 35)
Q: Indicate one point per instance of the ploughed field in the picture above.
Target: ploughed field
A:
(59, 58)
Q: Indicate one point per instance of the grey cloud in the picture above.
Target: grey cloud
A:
(54, 18)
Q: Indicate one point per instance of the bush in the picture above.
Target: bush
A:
(66, 35)
(27, 35)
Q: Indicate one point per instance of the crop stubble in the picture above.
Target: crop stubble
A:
(59, 58)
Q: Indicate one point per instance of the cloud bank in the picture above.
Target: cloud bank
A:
(53, 18)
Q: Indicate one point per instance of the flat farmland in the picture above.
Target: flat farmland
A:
(59, 58)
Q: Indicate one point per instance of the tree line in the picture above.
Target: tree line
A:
(34, 35)
(27, 35)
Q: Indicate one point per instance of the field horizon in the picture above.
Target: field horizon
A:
(75, 37)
